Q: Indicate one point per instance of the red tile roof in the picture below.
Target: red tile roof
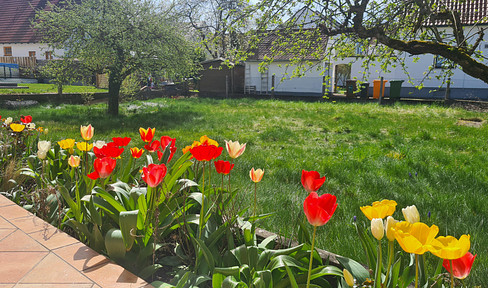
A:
(471, 11)
(15, 17)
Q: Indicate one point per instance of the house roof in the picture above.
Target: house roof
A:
(16, 17)
(289, 44)
(470, 11)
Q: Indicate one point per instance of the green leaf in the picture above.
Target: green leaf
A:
(266, 242)
(293, 282)
(206, 253)
(282, 260)
(114, 243)
(357, 270)
(128, 227)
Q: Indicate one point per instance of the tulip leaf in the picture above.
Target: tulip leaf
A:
(293, 282)
(395, 272)
(206, 253)
(128, 226)
(282, 260)
(357, 270)
(228, 271)
(266, 242)
(95, 216)
(114, 244)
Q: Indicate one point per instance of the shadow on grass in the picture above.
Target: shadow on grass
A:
(162, 117)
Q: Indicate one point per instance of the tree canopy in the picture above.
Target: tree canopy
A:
(387, 29)
(120, 37)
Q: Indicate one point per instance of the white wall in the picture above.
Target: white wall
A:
(22, 49)
(310, 82)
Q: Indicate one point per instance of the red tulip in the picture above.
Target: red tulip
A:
(165, 141)
(121, 141)
(153, 146)
(147, 134)
(223, 167)
(103, 168)
(461, 266)
(319, 210)
(206, 152)
(136, 152)
(311, 180)
(26, 119)
(154, 174)
(110, 149)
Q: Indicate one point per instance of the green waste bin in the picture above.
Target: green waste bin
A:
(395, 88)
(363, 92)
(350, 88)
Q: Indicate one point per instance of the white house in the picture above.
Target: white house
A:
(19, 43)
(312, 82)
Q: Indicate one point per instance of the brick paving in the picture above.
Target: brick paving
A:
(35, 254)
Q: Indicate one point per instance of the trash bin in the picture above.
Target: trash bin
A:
(350, 88)
(363, 92)
(395, 88)
(376, 89)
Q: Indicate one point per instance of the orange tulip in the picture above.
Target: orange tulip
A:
(136, 152)
(147, 134)
(234, 148)
(74, 161)
(87, 132)
(256, 175)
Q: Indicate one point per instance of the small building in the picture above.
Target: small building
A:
(219, 78)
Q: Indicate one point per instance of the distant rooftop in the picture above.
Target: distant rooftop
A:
(16, 17)
(471, 11)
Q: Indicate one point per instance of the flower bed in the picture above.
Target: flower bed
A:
(146, 210)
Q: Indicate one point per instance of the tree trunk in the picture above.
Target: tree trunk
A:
(60, 89)
(114, 83)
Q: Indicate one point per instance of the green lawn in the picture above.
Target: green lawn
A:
(412, 154)
(37, 88)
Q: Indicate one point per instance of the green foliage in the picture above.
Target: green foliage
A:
(119, 37)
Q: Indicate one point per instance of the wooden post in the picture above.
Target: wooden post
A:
(381, 90)
(226, 86)
(273, 86)
(447, 96)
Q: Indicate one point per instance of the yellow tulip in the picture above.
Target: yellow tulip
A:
(411, 214)
(377, 228)
(17, 127)
(449, 247)
(415, 238)
(66, 143)
(379, 209)
(390, 223)
(348, 277)
(83, 146)
(205, 140)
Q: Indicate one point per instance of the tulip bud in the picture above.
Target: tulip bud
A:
(390, 223)
(411, 214)
(348, 277)
(377, 228)
(44, 146)
(99, 144)
(41, 154)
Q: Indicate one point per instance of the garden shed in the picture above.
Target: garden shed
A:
(220, 78)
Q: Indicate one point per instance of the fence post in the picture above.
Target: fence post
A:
(226, 86)
(273, 86)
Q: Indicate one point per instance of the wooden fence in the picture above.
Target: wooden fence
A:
(24, 62)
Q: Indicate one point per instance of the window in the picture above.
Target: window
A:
(32, 53)
(49, 55)
(7, 51)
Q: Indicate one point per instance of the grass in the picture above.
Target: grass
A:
(37, 88)
(411, 154)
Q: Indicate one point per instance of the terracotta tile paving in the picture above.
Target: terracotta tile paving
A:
(34, 254)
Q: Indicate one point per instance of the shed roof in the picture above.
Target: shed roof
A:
(16, 17)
